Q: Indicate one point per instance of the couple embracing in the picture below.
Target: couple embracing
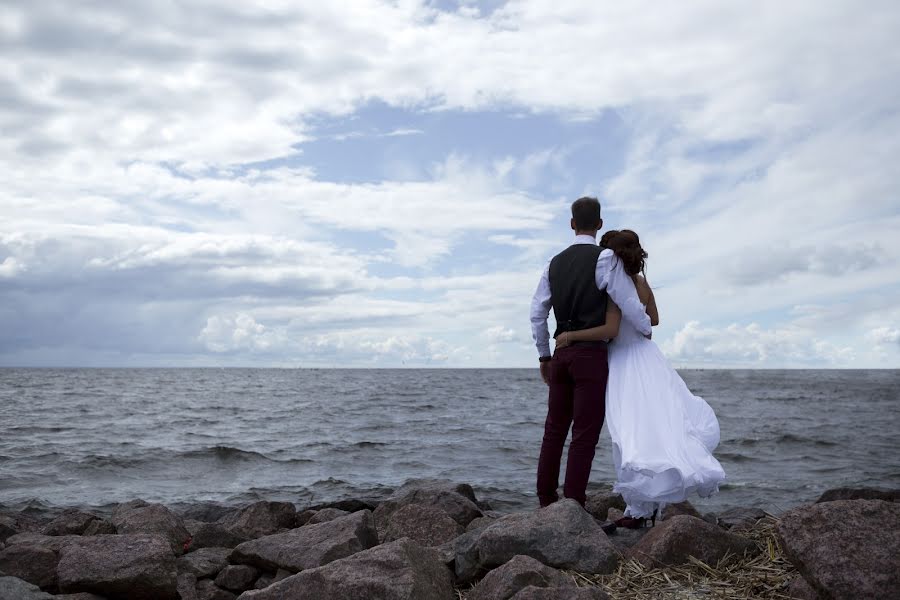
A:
(606, 367)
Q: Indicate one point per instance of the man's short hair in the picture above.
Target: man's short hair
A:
(586, 213)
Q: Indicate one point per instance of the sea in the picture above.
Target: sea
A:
(93, 437)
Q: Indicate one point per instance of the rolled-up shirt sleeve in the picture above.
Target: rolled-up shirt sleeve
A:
(540, 310)
(620, 287)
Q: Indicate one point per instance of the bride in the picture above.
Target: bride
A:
(662, 435)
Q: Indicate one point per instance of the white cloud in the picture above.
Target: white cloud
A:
(499, 334)
(238, 332)
(885, 335)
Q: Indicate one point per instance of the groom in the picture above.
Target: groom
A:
(577, 284)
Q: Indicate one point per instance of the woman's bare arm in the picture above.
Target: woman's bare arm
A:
(607, 331)
(645, 293)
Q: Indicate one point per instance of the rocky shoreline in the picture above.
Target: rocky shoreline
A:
(435, 540)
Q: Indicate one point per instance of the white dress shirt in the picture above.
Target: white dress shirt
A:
(611, 275)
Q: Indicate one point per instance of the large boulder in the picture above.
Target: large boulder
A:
(207, 590)
(427, 525)
(672, 541)
(562, 535)
(845, 548)
(680, 508)
(153, 519)
(126, 567)
(53, 542)
(237, 578)
(309, 546)
(13, 588)
(457, 500)
(561, 593)
(205, 562)
(859, 494)
(70, 522)
(211, 535)
(401, 570)
(326, 514)
(33, 563)
(520, 572)
(261, 519)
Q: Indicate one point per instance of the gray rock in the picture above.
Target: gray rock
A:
(401, 570)
(33, 563)
(132, 567)
(99, 527)
(153, 519)
(673, 540)
(309, 546)
(680, 508)
(261, 519)
(53, 542)
(799, 589)
(349, 505)
(205, 562)
(561, 593)
(859, 494)
(480, 523)
(736, 518)
(264, 581)
(304, 516)
(211, 535)
(326, 514)
(520, 572)
(426, 525)
(79, 596)
(562, 535)
(206, 512)
(453, 499)
(186, 586)
(9, 526)
(125, 507)
(13, 588)
(599, 503)
(207, 590)
(845, 548)
(69, 522)
(237, 578)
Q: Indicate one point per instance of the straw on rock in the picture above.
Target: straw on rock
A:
(766, 575)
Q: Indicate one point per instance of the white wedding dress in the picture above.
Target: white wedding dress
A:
(662, 435)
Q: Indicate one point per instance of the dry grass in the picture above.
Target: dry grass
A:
(733, 578)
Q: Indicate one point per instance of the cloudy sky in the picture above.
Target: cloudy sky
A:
(368, 183)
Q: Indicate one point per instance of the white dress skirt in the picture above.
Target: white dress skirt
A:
(662, 435)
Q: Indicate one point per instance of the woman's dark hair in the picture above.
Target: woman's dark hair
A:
(604, 239)
(627, 246)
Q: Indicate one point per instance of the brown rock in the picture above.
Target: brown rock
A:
(561, 593)
(673, 540)
(480, 523)
(520, 572)
(845, 548)
(261, 519)
(859, 494)
(303, 517)
(205, 562)
(599, 503)
(562, 535)
(680, 508)
(207, 590)
(152, 519)
(453, 499)
(132, 567)
(237, 578)
(326, 514)
(425, 524)
(401, 570)
(33, 563)
(309, 546)
(99, 527)
(740, 518)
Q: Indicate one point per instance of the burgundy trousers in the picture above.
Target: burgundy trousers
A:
(578, 375)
